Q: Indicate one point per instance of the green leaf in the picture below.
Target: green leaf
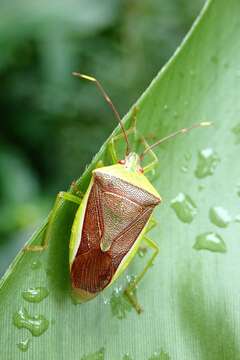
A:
(190, 297)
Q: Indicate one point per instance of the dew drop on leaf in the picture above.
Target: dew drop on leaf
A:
(23, 345)
(142, 251)
(162, 355)
(207, 163)
(184, 169)
(219, 216)
(106, 300)
(36, 294)
(210, 241)
(36, 264)
(99, 355)
(127, 357)
(184, 208)
(36, 324)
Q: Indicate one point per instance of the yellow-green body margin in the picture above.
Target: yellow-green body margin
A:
(130, 175)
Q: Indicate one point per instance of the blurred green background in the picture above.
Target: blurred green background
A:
(52, 123)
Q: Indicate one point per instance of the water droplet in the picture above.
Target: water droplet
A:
(106, 301)
(127, 357)
(175, 115)
(165, 107)
(162, 355)
(236, 132)
(36, 264)
(184, 169)
(23, 345)
(36, 294)
(99, 355)
(219, 216)
(184, 208)
(237, 218)
(207, 162)
(142, 250)
(36, 324)
(210, 241)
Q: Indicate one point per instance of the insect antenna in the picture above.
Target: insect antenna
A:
(109, 102)
(178, 132)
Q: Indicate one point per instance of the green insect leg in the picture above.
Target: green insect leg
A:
(129, 291)
(151, 166)
(143, 247)
(61, 197)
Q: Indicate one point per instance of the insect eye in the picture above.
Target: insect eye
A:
(122, 162)
(141, 170)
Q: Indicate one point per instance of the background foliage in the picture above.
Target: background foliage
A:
(52, 124)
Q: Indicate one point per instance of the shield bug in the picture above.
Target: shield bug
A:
(113, 218)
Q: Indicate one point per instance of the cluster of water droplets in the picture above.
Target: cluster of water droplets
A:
(120, 304)
(127, 357)
(100, 355)
(162, 355)
(22, 319)
(186, 209)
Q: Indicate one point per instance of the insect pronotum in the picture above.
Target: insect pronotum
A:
(113, 218)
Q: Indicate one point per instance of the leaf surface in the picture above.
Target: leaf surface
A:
(191, 295)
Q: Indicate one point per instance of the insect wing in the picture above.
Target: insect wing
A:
(115, 214)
